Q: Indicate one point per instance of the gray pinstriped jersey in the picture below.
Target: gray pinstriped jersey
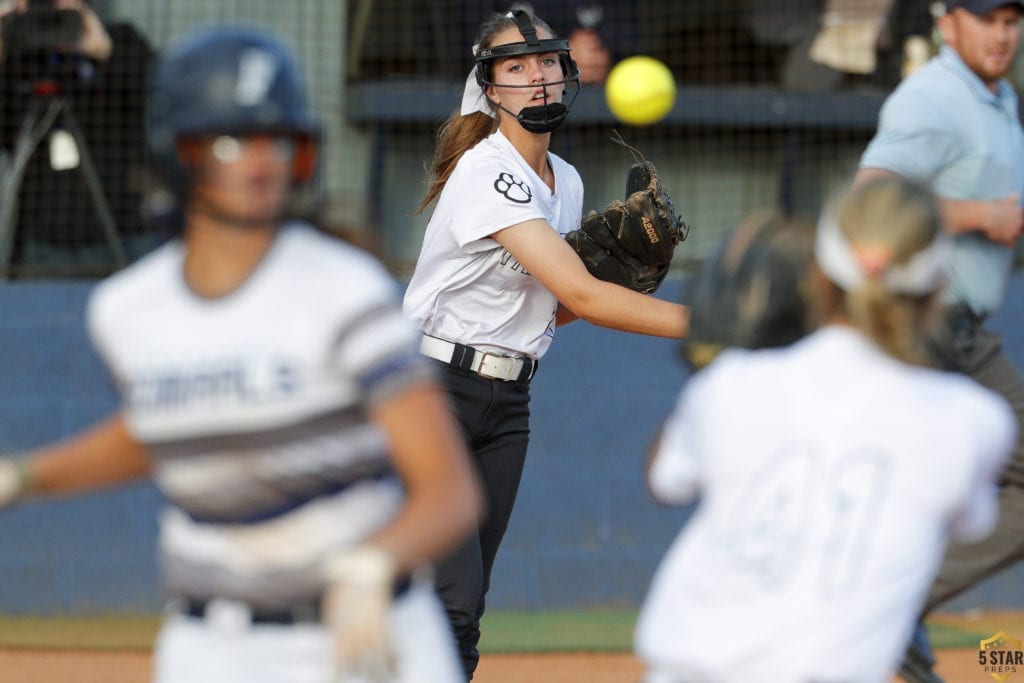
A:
(254, 409)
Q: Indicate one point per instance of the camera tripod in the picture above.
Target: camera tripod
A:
(44, 113)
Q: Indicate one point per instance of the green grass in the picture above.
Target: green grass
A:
(592, 630)
(943, 636)
(597, 630)
(612, 631)
(86, 633)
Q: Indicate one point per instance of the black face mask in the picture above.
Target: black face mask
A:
(542, 118)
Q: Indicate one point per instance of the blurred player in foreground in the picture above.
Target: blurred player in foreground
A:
(814, 541)
(954, 124)
(495, 276)
(274, 391)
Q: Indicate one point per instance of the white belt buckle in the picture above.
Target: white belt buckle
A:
(228, 615)
(493, 366)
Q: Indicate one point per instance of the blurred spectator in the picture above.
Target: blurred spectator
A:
(826, 44)
(850, 34)
(747, 42)
(436, 38)
(599, 33)
(791, 26)
(719, 43)
(726, 42)
(102, 80)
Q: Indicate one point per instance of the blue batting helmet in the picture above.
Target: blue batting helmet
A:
(227, 80)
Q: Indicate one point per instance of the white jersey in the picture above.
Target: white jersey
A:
(467, 288)
(254, 409)
(829, 477)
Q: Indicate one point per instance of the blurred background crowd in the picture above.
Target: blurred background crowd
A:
(776, 102)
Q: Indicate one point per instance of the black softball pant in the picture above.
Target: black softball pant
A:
(978, 352)
(965, 345)
(495, 420)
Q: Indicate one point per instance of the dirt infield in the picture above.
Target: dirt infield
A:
(568, 667)
(956, 666)
(61, 666)
(64, 666)
(32, 652)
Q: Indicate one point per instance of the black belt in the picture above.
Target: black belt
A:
(308, 613)
(484, 363)
(302, 613)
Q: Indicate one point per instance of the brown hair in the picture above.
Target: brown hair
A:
(458, 134)
(904, 217)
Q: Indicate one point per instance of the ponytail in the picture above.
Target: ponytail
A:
(457, 135)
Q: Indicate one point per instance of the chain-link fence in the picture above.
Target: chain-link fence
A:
(775, 103)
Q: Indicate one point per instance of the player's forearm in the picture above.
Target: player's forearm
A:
(442, 508)
(965, 215)
(429, 527)
(609, 305)
(443, 499)
(104, 456)
(1000, 220)
(95, 42)
(960, 215)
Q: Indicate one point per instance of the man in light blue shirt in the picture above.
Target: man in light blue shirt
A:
(954, 125)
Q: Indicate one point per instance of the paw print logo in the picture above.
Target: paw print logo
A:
(513, 188)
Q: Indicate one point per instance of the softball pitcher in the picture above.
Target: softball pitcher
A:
(273, 389)
(814, 541)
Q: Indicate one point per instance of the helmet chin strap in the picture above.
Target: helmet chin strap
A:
(541, 118)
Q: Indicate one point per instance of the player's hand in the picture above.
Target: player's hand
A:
(13, 482)
(8, 6)
(1005, 220)
(357, 611)
(590, 55)
(95, 42)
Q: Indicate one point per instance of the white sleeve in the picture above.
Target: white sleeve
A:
(674, 474)
(491, 197)
(996, 431)
(99, 326)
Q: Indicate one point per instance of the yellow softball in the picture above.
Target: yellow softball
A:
(640, 90)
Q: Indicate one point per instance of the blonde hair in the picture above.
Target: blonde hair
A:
(458, 134)
(896, 218)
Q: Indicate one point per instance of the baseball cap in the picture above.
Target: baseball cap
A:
(982, 6)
